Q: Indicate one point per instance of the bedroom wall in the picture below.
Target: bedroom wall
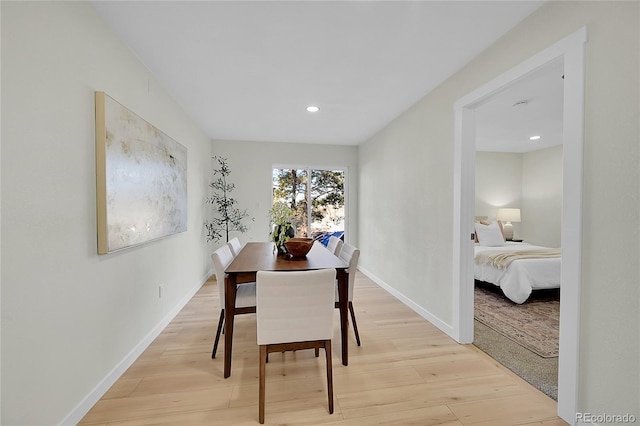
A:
(251, 171)
(532, 182)
(406, 192)
(498, 184)
(71, 319)
(542, 196)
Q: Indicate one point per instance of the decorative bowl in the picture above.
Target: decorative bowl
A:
(299, 247)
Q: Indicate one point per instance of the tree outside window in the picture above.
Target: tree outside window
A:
(316, 197)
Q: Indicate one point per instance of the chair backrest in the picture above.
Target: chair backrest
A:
(335, 245)
(222, 257)
(350, 254)
(295, 306)
(235, 246)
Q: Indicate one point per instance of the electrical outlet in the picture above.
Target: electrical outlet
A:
(160, 288)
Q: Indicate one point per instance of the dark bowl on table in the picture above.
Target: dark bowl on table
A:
(299, 247)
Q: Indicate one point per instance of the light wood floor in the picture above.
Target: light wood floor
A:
(406, 372)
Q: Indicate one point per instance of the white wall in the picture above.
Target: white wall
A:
(531, 182)
(406, 195)
(498, 184)
(405, 220)
(251, 166)
(542, 197)
(70, 318)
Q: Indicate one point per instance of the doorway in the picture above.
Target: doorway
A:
(519, 166)
(571, 50)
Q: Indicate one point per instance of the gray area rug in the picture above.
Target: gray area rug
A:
(541, 373)
(533, 324)
(524, 337)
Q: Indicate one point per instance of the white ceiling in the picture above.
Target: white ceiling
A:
(530, 107)
(247, 70)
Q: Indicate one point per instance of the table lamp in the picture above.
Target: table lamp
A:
(507, 216)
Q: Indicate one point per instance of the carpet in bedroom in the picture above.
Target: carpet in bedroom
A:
(533, 324)
(541, 372)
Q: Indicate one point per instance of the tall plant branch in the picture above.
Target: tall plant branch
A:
(229, 218)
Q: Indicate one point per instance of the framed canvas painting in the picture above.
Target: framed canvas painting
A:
(141, 177)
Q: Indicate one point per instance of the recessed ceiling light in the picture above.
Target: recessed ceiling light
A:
(534, 138)
(313, 108)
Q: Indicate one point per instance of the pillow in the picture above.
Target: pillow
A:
(489, 235)
(483, 220)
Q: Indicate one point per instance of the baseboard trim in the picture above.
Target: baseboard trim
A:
(105, 384)
(443, 326)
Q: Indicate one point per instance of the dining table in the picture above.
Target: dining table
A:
(263, 256)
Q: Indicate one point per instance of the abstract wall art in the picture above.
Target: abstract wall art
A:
(141, 176)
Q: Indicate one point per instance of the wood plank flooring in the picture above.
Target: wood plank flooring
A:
(406, 372)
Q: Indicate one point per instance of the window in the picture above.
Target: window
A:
(316, 196)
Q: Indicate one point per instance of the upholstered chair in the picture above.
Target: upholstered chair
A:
(235, 246)
(245, 293)
(335, 245)
(350, 254)
(294, 312)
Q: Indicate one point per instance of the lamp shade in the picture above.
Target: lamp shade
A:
(508, 215)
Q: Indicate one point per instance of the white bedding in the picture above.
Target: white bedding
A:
(522, 275)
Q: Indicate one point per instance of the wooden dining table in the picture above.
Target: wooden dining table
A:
(262, 256)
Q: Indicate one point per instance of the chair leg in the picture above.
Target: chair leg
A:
(327, 350)
(317, 350)
(263, 370)
(215, 343)
(353, 320)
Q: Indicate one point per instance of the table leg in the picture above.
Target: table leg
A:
(343, 304)
(229, 315)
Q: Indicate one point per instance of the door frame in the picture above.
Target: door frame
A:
(572, 50)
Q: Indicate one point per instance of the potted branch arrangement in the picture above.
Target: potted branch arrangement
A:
(229, 218)
(281, 218)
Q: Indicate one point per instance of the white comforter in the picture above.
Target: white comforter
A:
(522, 275)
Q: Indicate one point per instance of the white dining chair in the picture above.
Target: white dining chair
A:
(235, 246)
(351, 255)
(294, 312)
(245, 293)
(335, 245)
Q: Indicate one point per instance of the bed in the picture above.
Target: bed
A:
(517, 268)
